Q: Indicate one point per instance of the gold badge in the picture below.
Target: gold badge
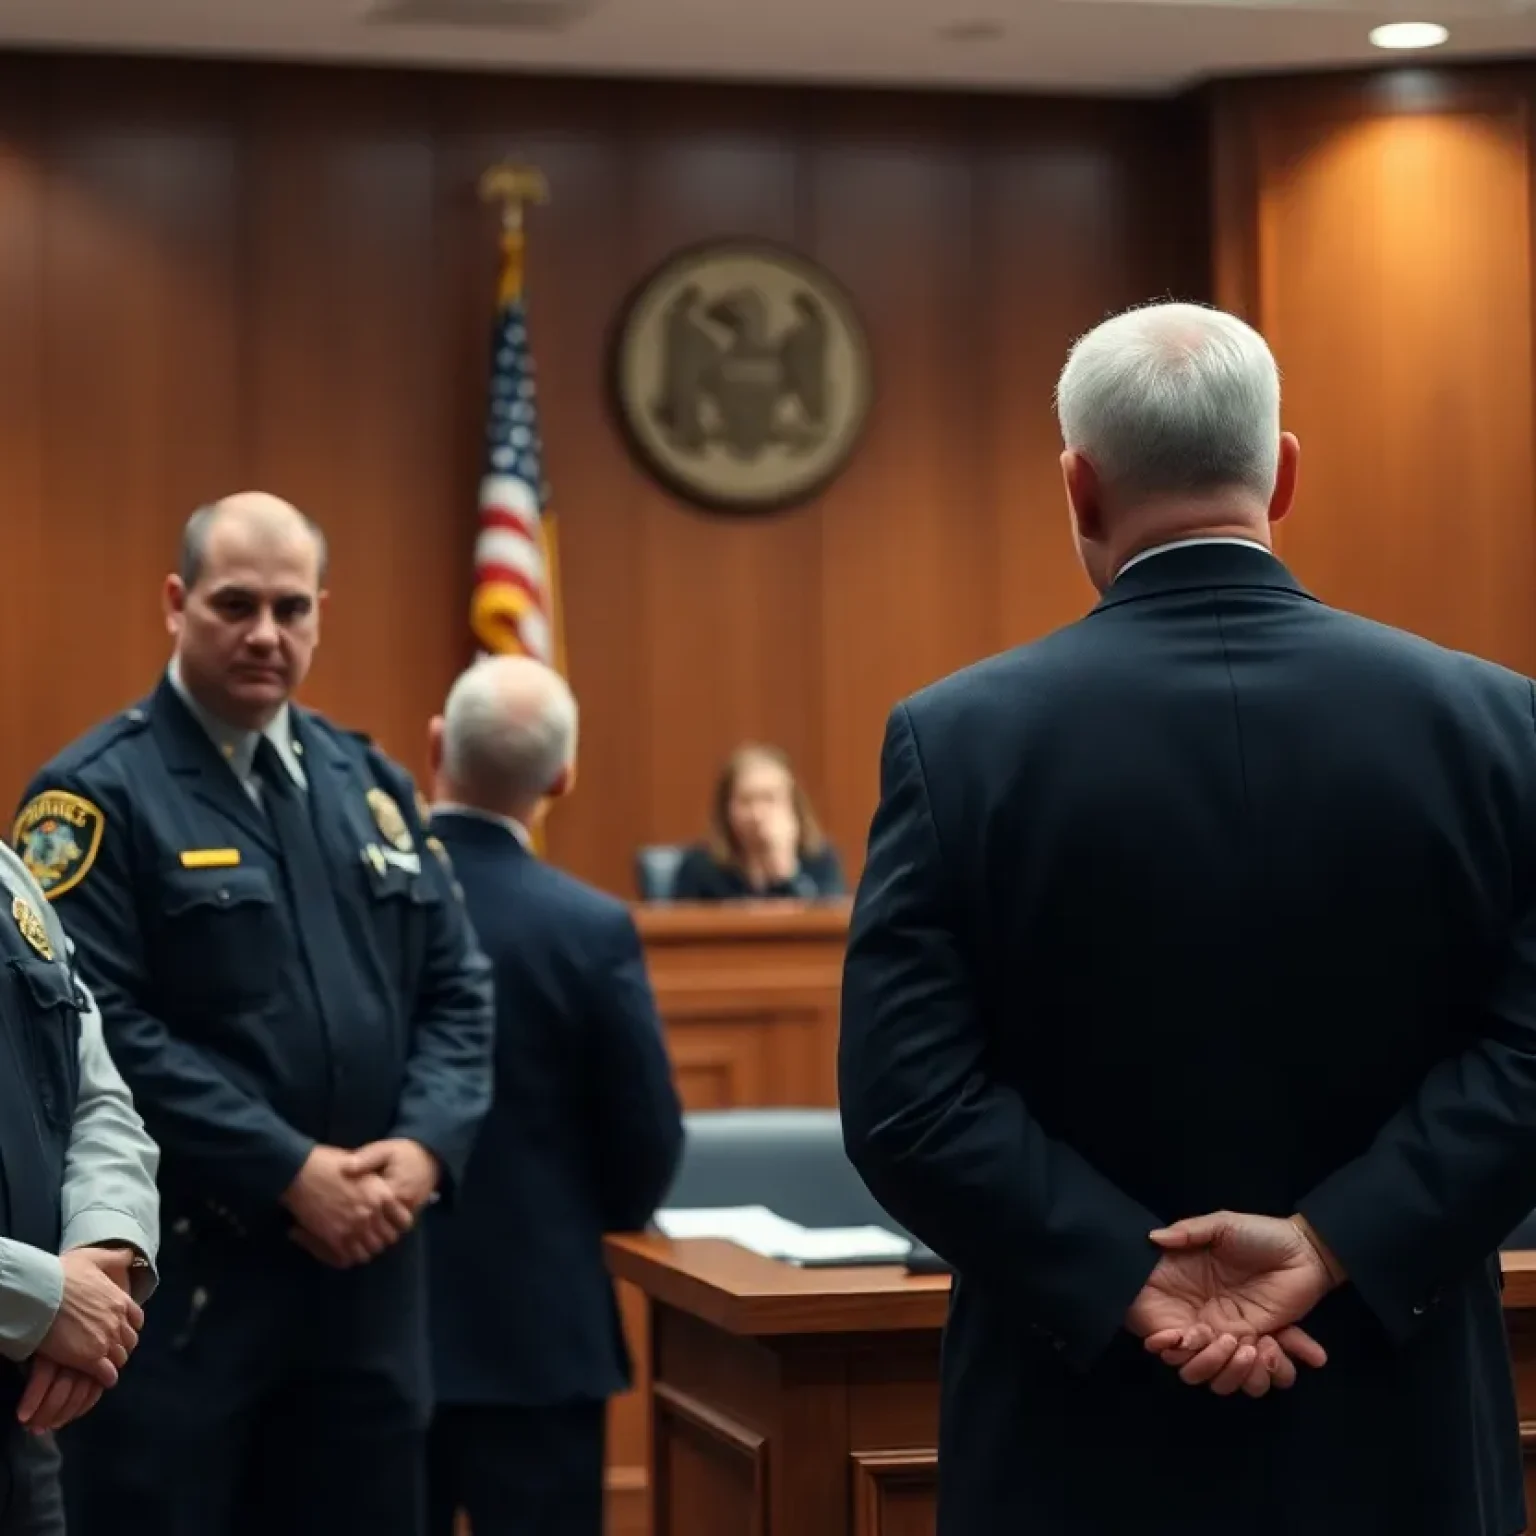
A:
(58, 835)
(391, 822)
(32, 927)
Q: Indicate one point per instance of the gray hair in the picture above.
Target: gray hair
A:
(194, 544)
(509, 727)
(1173, 400)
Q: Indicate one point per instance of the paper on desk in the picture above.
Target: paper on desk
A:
(753, 1227)
(760, 1231)
(845, 1245)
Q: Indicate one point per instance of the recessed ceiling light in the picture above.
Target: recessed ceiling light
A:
(1409, 34)
(978, 30)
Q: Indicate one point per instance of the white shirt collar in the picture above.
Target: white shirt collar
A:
(474, 813)
(1162, 549)
(237, 746)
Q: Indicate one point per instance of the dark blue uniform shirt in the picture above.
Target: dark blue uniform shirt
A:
(40, 1015)
(252, 1014)
(40, 1020)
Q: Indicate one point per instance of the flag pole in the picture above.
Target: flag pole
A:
(513, 186)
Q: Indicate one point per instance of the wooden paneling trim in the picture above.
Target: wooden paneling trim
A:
(1519, 1280)
(673, 1402)
(747, 991)
(679, 1411)
(879, 1474)
(695, 924)
(1235, 209)
(626, 1498)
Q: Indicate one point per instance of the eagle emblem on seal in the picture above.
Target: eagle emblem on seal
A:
(727, 378)
(742, 375)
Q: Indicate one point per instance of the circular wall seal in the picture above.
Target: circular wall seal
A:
(742, 376)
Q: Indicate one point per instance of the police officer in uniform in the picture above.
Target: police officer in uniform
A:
(79, 1211)
(295, 997)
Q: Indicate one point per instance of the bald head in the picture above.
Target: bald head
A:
(1173, 400)
(247, 517)
(508, 734)
(244, 605)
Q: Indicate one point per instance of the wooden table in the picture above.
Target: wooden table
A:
(748, 996)
(803, 1402)
(787, 1400)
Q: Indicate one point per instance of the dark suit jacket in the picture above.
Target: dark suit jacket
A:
(1216, 898)
(583, 1136)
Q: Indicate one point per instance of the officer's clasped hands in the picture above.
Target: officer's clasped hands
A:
(345, 1215)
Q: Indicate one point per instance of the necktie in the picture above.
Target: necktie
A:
(311, 888)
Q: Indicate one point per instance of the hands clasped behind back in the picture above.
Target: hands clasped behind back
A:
(1223, 1303)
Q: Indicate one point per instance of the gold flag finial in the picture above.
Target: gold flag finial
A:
(513, 186)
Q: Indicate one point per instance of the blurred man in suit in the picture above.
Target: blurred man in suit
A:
(1217, 901)
(583, 1136)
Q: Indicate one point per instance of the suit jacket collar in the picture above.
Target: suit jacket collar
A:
(458, 825)
(1197, 567)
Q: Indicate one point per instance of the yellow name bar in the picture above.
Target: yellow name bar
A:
(210, 858)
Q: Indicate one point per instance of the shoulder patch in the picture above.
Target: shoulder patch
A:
(58, 835)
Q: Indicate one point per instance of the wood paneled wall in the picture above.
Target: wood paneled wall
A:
(222, 276)
(1377, 229)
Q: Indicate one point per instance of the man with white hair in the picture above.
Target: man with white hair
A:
(583, 1136)
(1190, 1011)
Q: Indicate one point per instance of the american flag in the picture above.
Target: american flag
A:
(515, 606)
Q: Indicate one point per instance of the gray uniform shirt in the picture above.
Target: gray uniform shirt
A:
(109, 1171)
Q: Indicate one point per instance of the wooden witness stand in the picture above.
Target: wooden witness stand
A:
(795, 1402)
